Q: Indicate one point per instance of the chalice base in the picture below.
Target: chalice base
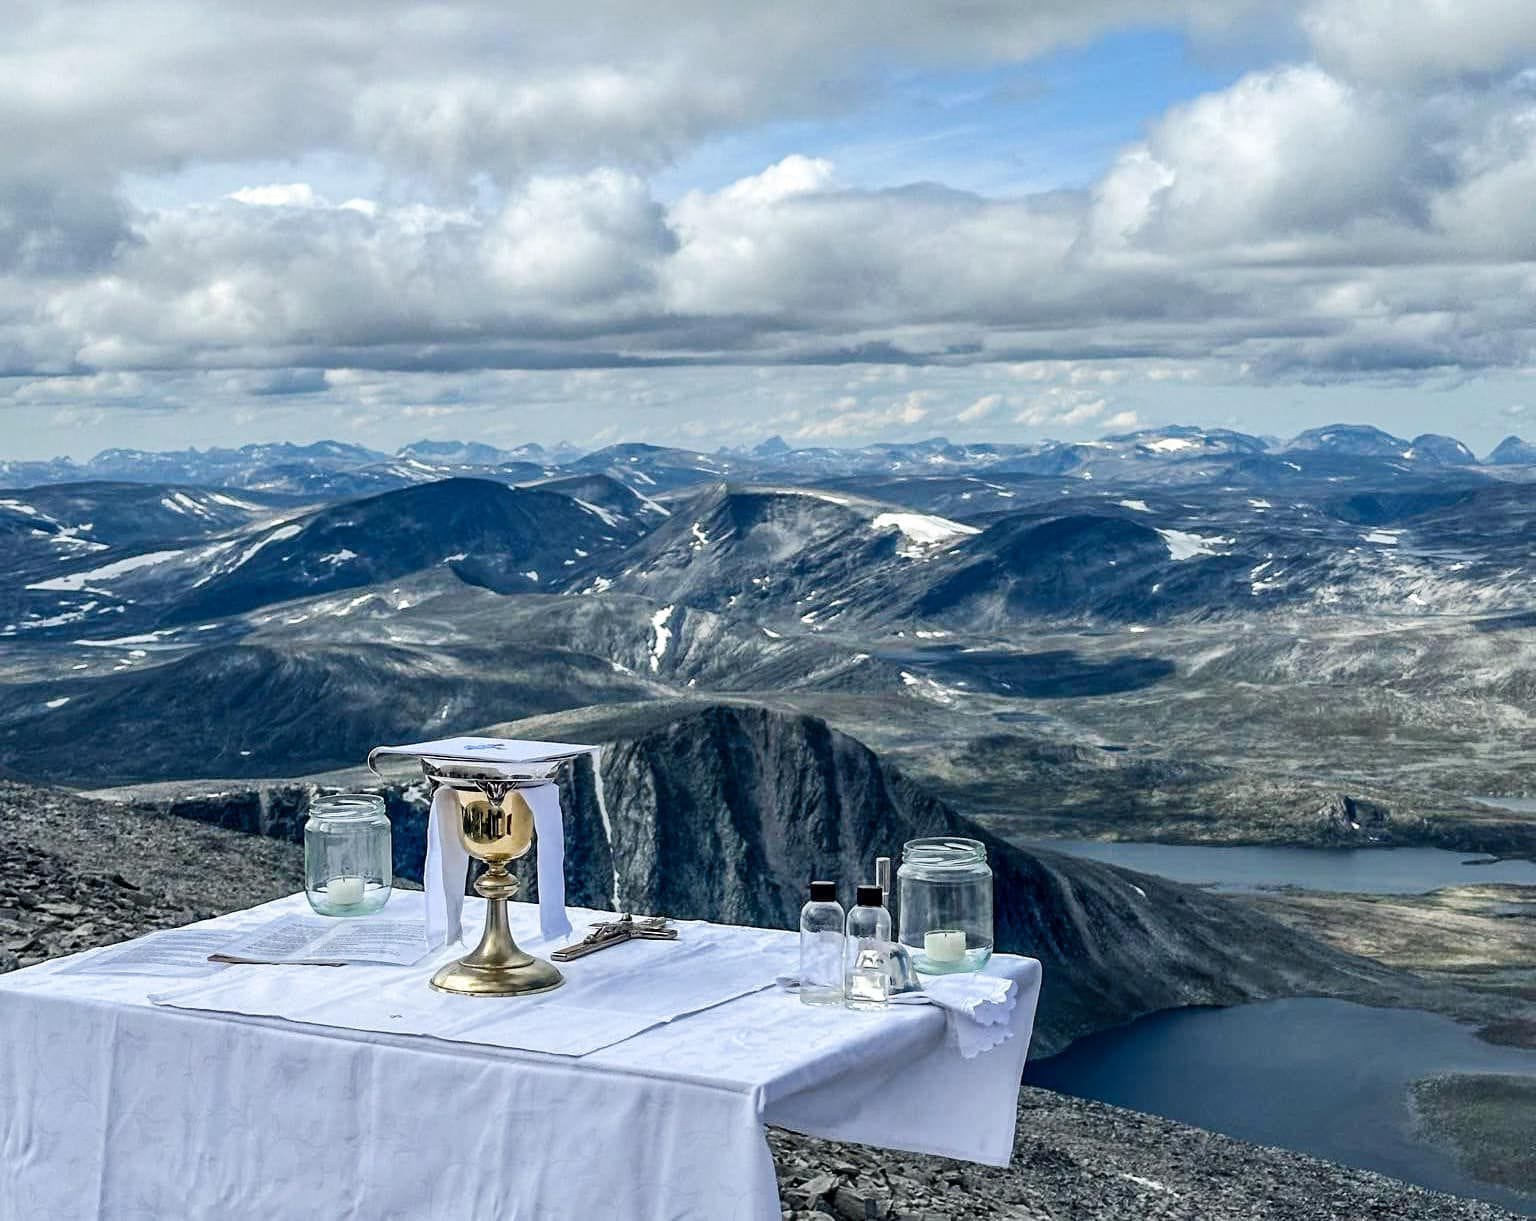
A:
(464, 978)
(497, 966)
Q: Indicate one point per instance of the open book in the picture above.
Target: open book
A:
(316, 941)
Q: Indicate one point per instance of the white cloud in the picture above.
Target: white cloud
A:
(1062, 407)
(980, 409)
(454, 91)
(849, 420)
(1364, 217)
(1281, 152)
(278, 195)
(1402, 42)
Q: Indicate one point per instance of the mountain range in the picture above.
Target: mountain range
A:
(341, 468)
(945, 602)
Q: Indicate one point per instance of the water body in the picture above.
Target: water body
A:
(1051, 674)
(1375, 871)
(1521, 805)
(1324, 1077)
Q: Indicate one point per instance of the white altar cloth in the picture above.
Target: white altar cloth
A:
(114, 1107)
(606, 998)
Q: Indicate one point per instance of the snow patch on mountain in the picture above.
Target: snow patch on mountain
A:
(277, 536)
(922, 532)
(1182, 545)
(661, 636)
(606, 516)
(76, 581)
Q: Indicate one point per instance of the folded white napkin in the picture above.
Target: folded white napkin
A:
(977, 1007)
(448, 863)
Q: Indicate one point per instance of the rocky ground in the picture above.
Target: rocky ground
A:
(76, 873)
(1075, 1160)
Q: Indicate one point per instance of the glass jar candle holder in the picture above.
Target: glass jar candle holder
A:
(944, 889)
(348, 855)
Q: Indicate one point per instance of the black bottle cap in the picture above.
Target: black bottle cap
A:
(871, 896)
(823, 892)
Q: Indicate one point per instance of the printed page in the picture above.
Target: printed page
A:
(401, 942)
(180, 953)
(322, 942)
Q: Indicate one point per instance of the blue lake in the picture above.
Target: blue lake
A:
(1324, 1077)
(1382, 871)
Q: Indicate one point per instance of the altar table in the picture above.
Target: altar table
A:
(112, 1106)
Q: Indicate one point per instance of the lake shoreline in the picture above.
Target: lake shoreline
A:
(1339, 1082)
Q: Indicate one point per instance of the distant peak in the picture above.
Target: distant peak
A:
(1513, 451)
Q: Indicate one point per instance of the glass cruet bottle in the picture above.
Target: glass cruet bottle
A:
(821, 947)
(867, 951)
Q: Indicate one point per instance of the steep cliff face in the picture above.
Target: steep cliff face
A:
(726, 811)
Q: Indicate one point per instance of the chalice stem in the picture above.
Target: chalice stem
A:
(497, 947)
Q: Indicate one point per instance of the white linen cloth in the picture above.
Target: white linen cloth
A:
(113, 1107)
(447, 863)
(976, 1006)
(606, 998)
(447, 866)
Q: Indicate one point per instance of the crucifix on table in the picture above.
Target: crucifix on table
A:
(615, 932)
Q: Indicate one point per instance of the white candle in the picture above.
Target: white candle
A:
(944, 945)
(344, 892)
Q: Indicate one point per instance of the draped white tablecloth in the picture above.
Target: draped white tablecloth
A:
(114, 1107)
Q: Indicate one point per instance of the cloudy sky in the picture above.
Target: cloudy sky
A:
(704, 223)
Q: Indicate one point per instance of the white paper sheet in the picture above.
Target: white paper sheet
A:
(317, 940)
(173, 954)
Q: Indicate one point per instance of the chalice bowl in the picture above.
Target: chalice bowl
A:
(495, 825)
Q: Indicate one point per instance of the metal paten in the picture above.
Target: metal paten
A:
(495, 825)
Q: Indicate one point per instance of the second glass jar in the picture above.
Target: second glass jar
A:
(944, 890)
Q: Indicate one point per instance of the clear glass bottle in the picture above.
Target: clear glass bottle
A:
(821, 947)
(945, 890)
(867, 951)
(348, 855)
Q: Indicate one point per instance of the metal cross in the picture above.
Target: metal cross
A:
(614, 932)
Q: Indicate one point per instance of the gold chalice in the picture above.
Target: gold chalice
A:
(496, 826)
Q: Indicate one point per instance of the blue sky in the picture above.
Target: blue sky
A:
(393, 219)
(1009, 130)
